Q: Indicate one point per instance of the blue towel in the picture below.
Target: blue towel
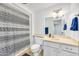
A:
(74, 25)
(46, 30)
(65, 27)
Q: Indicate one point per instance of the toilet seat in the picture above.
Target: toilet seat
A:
(35, 48)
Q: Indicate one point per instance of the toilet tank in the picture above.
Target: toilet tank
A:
(38, 40)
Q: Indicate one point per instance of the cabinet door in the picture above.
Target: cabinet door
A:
(66, 53)
(54, 51)
(48, 51)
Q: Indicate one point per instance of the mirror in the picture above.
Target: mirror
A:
(55, 25)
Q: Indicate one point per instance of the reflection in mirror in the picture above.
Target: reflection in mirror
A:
(55, 25)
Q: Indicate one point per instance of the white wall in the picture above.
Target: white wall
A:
(69, 9)
(74, 10)
(41, 15)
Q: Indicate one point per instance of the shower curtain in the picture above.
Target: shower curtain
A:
(14, 30)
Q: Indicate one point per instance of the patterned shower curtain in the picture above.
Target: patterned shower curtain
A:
(14, 31)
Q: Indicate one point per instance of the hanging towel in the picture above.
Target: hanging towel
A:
(46, 30)
(65, 27)
(74, 25)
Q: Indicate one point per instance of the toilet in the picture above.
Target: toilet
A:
(36, 48)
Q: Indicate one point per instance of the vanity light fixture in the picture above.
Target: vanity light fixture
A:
(54, 14)
(77, 14)
(61, 13)
(58, 13)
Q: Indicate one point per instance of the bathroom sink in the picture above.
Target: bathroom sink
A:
(55, 38)
(52, 36)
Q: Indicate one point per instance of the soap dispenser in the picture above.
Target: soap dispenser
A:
(50, 35)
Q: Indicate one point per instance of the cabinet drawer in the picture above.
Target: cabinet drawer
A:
(51, 44)
(65, 53)
(69, 48)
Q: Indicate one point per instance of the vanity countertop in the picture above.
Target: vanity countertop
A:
(59, 39)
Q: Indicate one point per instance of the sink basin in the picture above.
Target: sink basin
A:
(54, 38)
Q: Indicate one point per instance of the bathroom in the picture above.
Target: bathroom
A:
(39, 29)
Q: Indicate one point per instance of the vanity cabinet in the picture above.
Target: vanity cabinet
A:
(51, 49)
(58, 49)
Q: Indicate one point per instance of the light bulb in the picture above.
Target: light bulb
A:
(54, 14)
(61, 13)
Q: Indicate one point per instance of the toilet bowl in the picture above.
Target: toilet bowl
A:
(35, 49)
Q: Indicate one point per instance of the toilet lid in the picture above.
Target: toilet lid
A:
(35, 46)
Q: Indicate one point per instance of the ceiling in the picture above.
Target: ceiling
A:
(38, 6)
